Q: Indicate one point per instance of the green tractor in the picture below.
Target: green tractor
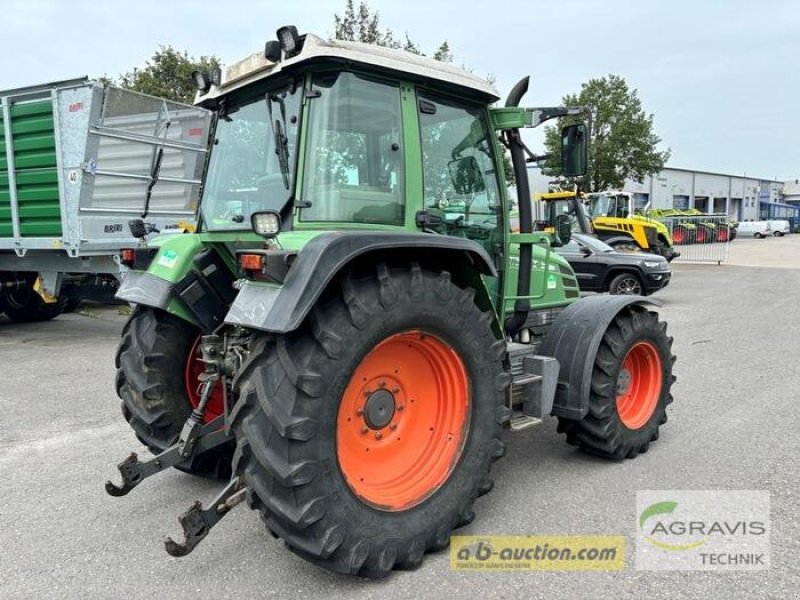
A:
(343, 349)
(684, 231)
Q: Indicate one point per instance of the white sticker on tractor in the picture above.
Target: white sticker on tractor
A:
(168, 259)
(551, 282)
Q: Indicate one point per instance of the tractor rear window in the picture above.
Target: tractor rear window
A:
(353, 170)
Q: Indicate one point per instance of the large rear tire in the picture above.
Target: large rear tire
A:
(25, 305)
(630, 389)
(154, 362)
(365, 437)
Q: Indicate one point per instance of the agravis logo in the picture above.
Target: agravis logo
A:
(702, 529)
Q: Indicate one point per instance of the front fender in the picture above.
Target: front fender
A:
(280, 309)
(573, 339)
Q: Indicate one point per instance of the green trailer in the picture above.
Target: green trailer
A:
(78, 161)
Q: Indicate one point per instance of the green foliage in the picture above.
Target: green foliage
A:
(363, 24)
(168, 74)
(623, 144)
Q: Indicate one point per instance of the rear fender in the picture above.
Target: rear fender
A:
(573, 340)
(280, 309)
(185, 279)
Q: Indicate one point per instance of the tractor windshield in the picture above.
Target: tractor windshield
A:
(607, 205)
(254, 146)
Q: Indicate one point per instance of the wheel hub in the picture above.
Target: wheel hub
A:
(623, 381)
(379, 409)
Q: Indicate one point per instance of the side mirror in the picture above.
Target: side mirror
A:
(586, 251)
(466, 175)
(574, 150)
(562, 231)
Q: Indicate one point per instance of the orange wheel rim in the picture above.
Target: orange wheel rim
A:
(639, 385)
(403, 420)
(194, 368)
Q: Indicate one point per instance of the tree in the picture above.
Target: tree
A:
(623, 144)
(168, 74)
(363, 25)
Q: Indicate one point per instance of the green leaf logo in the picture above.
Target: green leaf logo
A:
(659, 508)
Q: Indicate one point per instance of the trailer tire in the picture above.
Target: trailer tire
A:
(630, 388)
(27, 306)
(301, 443)
(151, 366)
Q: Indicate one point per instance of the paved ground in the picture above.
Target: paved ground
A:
(733, 425)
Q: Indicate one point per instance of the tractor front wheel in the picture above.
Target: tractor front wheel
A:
(630, 388)
(158, 363)
(365, 437)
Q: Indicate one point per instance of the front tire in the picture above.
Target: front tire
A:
(626, 283)
(365, 437)
(630, 388)
(155, 368)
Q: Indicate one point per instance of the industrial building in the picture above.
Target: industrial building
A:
(741, 197)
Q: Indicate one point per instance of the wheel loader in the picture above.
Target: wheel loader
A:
(339, 348)
(617, 222)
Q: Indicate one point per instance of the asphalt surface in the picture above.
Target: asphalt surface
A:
(733, 426)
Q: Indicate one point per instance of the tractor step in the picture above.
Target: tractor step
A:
(533, 381)
(520, 421)
(197, 521)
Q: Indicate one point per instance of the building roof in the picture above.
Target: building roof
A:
(255, 67)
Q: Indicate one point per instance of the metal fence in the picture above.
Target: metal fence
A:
(702, 238)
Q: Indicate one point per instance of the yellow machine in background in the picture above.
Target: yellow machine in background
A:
(607, 217)
(616, 223)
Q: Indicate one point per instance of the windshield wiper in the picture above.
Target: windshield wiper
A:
(279, 136)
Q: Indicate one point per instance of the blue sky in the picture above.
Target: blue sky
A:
(721, 77)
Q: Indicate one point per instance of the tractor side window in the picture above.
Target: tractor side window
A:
(354, 160)
(459, 172)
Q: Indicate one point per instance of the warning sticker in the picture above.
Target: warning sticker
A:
(168, 258)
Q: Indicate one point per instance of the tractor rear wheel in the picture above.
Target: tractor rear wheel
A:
(679, 235)
(365, 437)
(157, 366)
(25, 305)
(630, 388)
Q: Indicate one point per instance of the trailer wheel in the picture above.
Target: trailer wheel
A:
(26, 306)
(630, 388)
(365, 436)
(156, 362)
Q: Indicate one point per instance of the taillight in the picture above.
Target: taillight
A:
(251, 262)
(128, 256)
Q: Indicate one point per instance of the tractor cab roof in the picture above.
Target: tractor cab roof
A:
(257, 67)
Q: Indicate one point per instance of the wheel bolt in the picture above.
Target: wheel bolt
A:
(393, 426)
(400, 407)
(365, 429)
(395, 390)
(382, 384)
(367, 393)
(378, 435)
(360, 412)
